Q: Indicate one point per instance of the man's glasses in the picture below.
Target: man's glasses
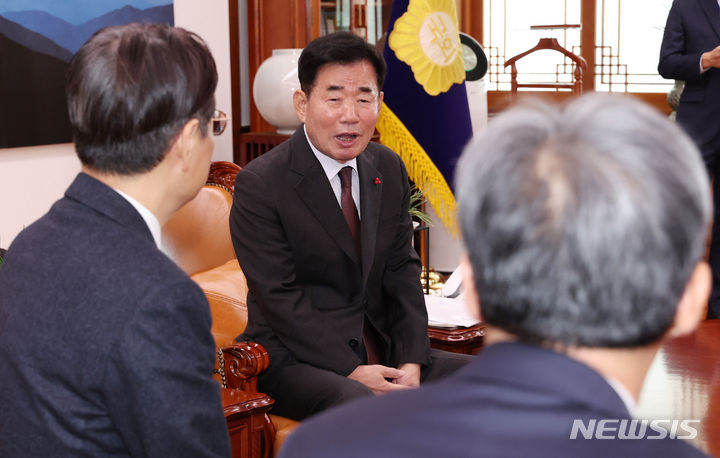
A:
(219, 122)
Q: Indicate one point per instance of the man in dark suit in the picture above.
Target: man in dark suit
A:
(321, 229)
(105, 344)
(690, 52)
(584, 234)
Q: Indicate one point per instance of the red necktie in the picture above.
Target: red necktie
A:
(348, 205)
(351, 216)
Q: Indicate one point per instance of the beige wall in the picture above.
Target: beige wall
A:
(32, 178)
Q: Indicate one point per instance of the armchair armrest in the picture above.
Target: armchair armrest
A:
(251, 431)
(241, 363)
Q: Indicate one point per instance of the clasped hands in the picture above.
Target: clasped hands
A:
(711, 58)
(375, 377)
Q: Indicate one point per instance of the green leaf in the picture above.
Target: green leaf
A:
(417, 199)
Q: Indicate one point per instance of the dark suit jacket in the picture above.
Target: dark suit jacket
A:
(308, 291)
(513, 400)
(693, 27)
(105, 344)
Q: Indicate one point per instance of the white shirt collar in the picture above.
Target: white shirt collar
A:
(329, 165)
(624, 395)
(152, 222)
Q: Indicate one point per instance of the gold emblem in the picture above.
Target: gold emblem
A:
(426, 38)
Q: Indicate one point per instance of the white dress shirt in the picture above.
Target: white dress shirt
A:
(332, 167)
(624, 394)
(152, 222)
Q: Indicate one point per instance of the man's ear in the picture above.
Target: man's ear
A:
(381, 96)
(300, 103)
(472, 299)
(184, 145)
(691, 308)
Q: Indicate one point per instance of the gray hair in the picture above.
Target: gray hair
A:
(583, 224)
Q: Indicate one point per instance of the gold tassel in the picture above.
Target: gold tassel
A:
(421, 169)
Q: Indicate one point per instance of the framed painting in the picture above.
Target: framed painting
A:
(37, 40)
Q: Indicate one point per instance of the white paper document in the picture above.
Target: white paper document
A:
(448, 312)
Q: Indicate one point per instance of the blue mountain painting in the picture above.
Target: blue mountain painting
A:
(76, 11)
(39, 37)
(71, 37)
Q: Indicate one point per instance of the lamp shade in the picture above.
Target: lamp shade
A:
(275, 83)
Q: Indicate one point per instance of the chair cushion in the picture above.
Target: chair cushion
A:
(226, 290)
(283, 428)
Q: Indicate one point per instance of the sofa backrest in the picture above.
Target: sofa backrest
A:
(197, 237)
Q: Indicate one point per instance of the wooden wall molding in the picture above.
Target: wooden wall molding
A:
(471, 19)
(236, 109)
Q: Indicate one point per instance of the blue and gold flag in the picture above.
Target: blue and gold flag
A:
(425, 116)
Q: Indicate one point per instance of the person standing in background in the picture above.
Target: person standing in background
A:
(690, 52)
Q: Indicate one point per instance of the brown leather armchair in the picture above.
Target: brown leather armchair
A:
(198, 239)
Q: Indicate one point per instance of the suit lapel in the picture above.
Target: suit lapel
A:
(712, 11)
(315, 191)
(370, 197)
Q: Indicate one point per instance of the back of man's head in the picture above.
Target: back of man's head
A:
(583, 224)
(130, 89)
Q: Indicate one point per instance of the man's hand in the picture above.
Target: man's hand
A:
(711, 58)
(411, 376)
(373, 376)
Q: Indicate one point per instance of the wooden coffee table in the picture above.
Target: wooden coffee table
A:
(457, 340)
(683, 384)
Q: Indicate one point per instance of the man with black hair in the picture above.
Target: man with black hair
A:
(584, 230)
(105, 344)
(321, 229)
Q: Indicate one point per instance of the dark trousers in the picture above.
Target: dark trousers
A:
(711, 156)
(301, 390)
